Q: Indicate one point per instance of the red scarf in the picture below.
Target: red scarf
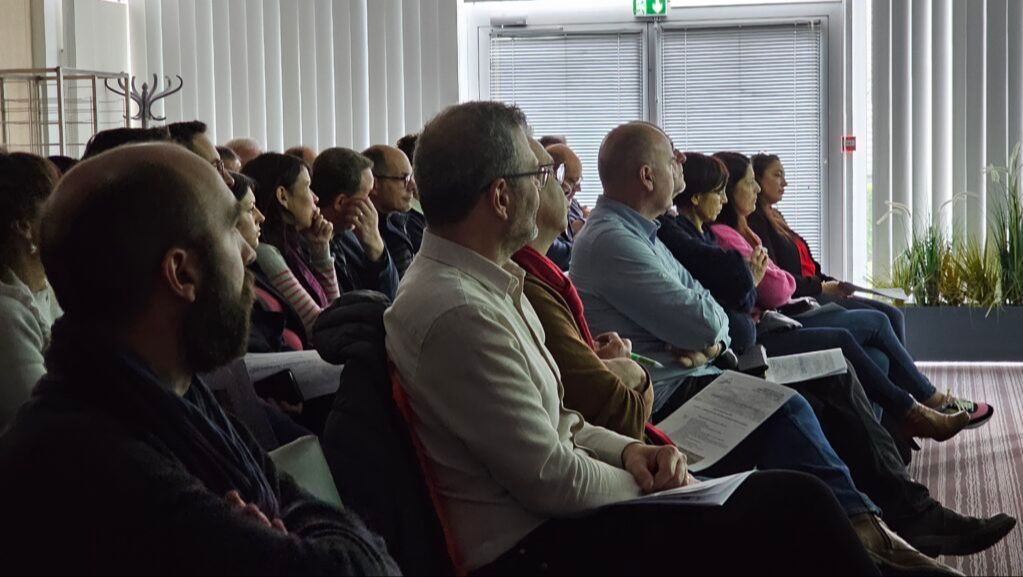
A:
(544, 269)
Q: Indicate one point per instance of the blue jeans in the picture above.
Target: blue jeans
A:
(873, 329)
(878, 387)
(895, 316)
(792, 439)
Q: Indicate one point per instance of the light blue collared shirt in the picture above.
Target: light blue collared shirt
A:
(629, 282)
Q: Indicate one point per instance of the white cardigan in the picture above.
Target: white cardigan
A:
(25, 321)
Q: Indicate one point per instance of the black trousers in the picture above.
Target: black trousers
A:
(866, 447)
(777, 523)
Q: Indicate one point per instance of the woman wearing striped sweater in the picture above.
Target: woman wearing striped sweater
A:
(294, 253)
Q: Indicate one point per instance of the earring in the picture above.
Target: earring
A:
(32, 248)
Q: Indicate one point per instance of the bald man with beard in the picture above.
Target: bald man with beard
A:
(122, 462)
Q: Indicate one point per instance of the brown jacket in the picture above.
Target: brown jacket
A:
(599, 395)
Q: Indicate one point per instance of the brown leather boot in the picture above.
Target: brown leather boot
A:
(927, 423)
(890, 553)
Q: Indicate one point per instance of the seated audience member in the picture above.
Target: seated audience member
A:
(301, 271)
(174, 486)
(342, 179)
(907, 389)
(391, 194)
(275, 325)
(661, 305)
(232, 163)
(306, 154)
(599, 382)
(415, 222)
(105, 140)
(27, 304)
(791, 253)
(63, 163)
(569, 171)
(524, 483)
(734, 283)
(725, 273)
(192, 135)
(245, 148)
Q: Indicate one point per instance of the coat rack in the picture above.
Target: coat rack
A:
(147, 97)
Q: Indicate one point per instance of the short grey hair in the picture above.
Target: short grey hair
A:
(462, 150)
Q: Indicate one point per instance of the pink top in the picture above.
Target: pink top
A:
(777, 286)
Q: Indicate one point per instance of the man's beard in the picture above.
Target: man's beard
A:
(216, 328)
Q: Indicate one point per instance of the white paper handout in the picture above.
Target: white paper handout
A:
(806, 366)
(720, 416)
(315, 376)
(896, 294)
(709, 493)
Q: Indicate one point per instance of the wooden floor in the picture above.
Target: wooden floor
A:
(980, 472)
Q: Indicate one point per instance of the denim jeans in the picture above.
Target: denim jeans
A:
(873, 329)
(895, 316)
(790, 439)
(879, 388)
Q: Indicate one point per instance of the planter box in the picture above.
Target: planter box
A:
(964, 334)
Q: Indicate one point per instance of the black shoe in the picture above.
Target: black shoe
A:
(955, 534)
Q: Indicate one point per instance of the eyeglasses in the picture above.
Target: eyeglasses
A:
(540, 175)
(224, 173)
(559, 172)
(407, 178)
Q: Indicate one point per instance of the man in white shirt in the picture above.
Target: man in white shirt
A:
(521, 479)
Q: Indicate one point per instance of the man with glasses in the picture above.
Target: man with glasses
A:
(521, 481)
(192, 135)
(392, 197)
(569, 171)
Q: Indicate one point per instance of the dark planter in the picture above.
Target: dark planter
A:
(964, 333)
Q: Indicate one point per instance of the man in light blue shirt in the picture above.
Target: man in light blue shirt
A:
(629, 281)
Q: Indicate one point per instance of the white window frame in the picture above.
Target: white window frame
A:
(837, 236)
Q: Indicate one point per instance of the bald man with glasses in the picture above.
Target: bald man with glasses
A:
(392, 196)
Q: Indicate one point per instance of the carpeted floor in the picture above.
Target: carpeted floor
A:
(980, 472)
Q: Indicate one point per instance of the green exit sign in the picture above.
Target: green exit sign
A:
(649, 7)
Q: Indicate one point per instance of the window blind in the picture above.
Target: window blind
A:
(752, 89)
(577, 85)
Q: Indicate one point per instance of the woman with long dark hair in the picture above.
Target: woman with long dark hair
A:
(889, 374)
(294, 253)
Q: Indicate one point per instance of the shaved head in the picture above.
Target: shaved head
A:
(639, 167)
(626, 149)
(113, 217)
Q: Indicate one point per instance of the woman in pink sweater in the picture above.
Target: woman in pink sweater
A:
(899, 386)
(774, 286)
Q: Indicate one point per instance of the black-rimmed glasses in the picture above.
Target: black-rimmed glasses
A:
(407, 178)
(540, 175)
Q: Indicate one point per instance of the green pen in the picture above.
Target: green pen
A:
(646, 361)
